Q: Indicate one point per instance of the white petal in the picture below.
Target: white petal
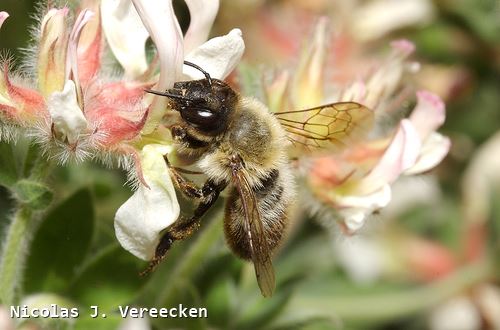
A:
(218, 56)
(434, 149)
(126, 35)
(379, 17)
(139, 221)
(401, 154)
(428, 115)
(354, 210)
(354, 218)
(159, 19)
(459, 313)
(67, 117)
(202, 14)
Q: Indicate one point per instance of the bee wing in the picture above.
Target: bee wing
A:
(260, 252)
(327, 126)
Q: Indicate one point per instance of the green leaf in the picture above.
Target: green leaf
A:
(111, 279)
(61, 244)
(35, 194)
(8, 171)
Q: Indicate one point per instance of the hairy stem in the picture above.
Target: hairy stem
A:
(15, 247)
(15, 250)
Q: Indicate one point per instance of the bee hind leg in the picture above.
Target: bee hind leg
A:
(183, 228)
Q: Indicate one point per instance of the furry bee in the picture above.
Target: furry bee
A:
(238, 143)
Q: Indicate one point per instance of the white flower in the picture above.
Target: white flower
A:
(67, 117)
(151, 209)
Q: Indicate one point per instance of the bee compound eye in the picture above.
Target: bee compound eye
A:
(201, 118)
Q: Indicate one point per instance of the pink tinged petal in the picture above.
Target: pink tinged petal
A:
(401, 154)
(403, 47)
(308, 83)
(18, 103)
(159, 19)
(116, 111)
(202, 14)
(385, 81)
(72, 59)
(67, 117)
(89, 45)
(141, 219)
(6, 321)
(3, 17)
(126, 36)
(356, 93)
(218, 56)
(428, 115)
(434, 149)
(52, 51)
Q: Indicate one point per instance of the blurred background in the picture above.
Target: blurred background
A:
(428, 261)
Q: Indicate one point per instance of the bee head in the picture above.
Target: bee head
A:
(203, 104)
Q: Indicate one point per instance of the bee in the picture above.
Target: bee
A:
(240, 145)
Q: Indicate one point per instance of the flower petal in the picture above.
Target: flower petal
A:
(67, 117)
(3, 17)
(218, 56)
(140, 220)
(72, 56)
(126, 35)
(90, 43)
(401, 154)
(434, 149)
(202, 14)
(52, 51)
(384, 82)
(308, 83)
(379, 17)
(159, 19)
(428, 115)
(354, 210)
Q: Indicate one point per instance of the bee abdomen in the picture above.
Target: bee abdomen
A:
(273, 195)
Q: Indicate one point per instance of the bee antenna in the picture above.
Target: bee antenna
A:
(173, 96)
(197, 67)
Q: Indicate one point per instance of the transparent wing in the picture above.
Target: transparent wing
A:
(327, 126)
(260, 252)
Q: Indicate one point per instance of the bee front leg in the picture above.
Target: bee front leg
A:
(183, 228)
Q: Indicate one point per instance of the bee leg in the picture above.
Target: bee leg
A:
(185, 227)
(187, 187)
(182, 228)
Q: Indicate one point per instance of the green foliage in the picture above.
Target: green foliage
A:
(61, 244)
